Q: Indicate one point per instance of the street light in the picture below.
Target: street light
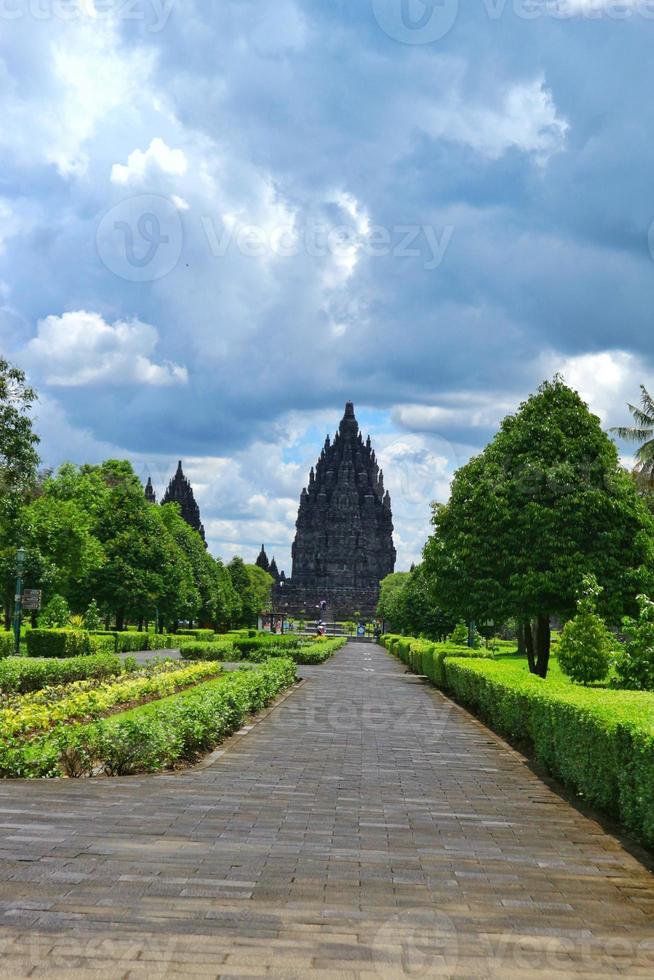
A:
(20, 568)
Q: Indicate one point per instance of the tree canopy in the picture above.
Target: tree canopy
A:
(545, 503)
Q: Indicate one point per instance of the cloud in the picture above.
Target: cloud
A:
(80, 349)
(140, 165)
(526, 119)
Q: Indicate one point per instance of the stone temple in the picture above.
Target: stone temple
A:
(180, 492)
(344, 541)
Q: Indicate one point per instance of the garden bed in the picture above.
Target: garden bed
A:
(167, 727)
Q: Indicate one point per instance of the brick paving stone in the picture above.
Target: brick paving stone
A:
(365, 828)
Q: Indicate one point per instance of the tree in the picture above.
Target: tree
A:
(544, 504)
(18, 469)
(586, 643)
(253, 588)
(409, 602)
(389, 587)
(642, 432)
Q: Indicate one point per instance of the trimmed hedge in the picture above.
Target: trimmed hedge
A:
(209, 651)
(597, 741)
(21, 675)
(132, 642)
(58, 643)
(427, 658)
(7, 645)
(255, 651)
(204, 635)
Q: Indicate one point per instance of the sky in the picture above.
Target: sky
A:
(221, 219)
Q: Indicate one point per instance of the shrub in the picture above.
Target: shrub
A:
(586, 644)
(20, 675)
(209, 651)
(92, 617)
(635, 665)
(599, 742)
(55, 615)
(7, 645)
(459, 635)
(58, 643)
(133, 642)
(204, 635)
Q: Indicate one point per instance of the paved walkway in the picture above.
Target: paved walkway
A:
(365, 828)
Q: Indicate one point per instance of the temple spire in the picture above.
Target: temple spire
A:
(150, 495)
(180, 492)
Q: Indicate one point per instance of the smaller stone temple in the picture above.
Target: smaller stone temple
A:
(180, 492)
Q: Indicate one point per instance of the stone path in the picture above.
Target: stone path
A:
(365, 828)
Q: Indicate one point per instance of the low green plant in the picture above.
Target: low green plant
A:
(635, 664)
(92, 617)
(7, 645)
(209, 651)
(55, 614)
(21, 675)
(586, 644)
(459, 635)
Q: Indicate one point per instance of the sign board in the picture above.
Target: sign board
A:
(31, 599)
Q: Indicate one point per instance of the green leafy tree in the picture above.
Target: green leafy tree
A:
(387, 607)
(635, 665)
(18, 470)
(56, 614)
(586, 643)
(545, 503)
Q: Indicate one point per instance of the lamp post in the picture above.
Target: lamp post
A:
(20, 568)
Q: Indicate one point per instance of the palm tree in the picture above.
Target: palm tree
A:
(642, 432)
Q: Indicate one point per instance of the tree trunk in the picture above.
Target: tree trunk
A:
(140, 625)
(529, 646)
(522, 644)
(120, 621)
(543, 637)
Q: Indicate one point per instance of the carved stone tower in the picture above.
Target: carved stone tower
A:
(180, 492)
(344, 541)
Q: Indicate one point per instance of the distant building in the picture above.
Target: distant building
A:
(344, 542)
(180, 492)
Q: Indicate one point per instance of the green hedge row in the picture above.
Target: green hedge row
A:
(209, 651)
(20, 675)
(159, 737)
(597, 741)
(427, 658)
(58, 643)
(255, 651)
(7, 645)
(206, 635)
(134, 642)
